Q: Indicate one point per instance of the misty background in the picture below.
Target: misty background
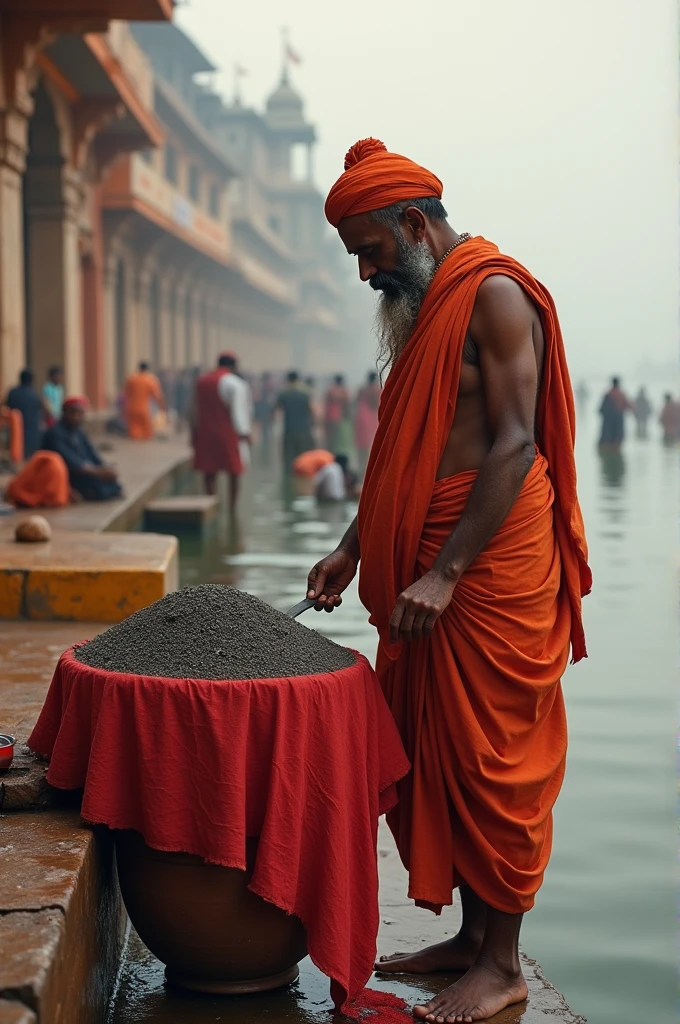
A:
(554, 128)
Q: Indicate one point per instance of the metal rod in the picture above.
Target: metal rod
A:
(303, 606)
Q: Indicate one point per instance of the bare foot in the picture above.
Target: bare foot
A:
(481, 993)
(451, 956)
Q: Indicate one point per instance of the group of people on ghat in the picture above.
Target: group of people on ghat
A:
(61, 465)
(616, 404)
(228, 414)
(225, 415)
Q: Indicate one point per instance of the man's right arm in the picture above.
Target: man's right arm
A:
(333, 574)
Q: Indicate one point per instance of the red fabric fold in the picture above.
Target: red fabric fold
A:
(307, 764)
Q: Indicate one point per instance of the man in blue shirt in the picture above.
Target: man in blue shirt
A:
(88, 475)
(26, 399)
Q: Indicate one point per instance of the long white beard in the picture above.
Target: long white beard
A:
(397, 311)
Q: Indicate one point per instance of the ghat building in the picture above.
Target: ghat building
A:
(76, 92)
(271, 289)
(142, 217)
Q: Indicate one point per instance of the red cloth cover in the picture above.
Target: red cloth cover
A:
(307, 764)
(214, 439)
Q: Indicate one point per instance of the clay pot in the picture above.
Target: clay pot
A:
(201, 920)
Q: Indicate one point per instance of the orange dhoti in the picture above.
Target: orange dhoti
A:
(479, 706)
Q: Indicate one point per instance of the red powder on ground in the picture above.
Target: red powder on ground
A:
(378, 1008)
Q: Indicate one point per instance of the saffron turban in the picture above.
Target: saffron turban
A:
(75, 402)
(374, 178)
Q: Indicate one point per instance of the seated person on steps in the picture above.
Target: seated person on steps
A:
(88, 474)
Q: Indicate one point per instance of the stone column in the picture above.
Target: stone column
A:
(111, 382)
(54, 196)
(194, 329)
(180, 355)
(224, 336)
(165, 313)
(143, 326)
(13, 141)
(94, 314)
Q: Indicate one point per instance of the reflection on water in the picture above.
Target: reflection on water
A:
(604, 925)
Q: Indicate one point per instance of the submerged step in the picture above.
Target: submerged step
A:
(183, 511)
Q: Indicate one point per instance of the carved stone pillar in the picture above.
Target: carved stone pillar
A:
(54, 195)
(13, 140)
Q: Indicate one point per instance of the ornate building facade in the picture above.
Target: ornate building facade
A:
(142, 217)
(75, 92)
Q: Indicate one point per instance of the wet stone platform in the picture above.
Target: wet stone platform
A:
(144, 998)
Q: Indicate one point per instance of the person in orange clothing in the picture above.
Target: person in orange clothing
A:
(141, 389)
(42, 483)
(473, 565)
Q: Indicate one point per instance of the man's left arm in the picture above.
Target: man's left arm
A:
(502, 329)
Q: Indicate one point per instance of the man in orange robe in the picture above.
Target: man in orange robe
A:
(141, 389)
(473, 564)
(42, 483)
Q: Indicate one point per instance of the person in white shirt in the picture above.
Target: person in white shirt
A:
(333, 482)
(220, 418)
(235, 393)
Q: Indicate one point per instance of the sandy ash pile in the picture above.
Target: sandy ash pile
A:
(213, 632)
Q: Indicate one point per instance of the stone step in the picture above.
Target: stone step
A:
(15, 1013)
(85, 576)
(182, 512)
(61, 920)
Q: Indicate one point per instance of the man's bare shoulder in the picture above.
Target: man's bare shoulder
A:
(501, 305)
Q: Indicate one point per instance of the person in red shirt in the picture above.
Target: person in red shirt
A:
(220, 425)
(336, 414)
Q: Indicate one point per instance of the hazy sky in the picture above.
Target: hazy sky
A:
(553, 125)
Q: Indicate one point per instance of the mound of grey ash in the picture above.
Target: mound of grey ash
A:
(213, 632)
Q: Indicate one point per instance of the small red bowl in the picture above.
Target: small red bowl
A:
(6, 750)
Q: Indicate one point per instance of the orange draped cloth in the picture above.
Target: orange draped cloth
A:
(140, 390)
(478, 703)
(42, 483)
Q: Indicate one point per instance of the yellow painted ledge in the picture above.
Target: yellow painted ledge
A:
(86, 576)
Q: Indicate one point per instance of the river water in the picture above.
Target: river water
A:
(604, 928)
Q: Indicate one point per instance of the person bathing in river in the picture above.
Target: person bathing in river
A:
(473, 565)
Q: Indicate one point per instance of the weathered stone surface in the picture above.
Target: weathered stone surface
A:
(23, 787)
(29, 950)
(29, 652)
(16, 1013)
(61, 918)
(42, 857)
